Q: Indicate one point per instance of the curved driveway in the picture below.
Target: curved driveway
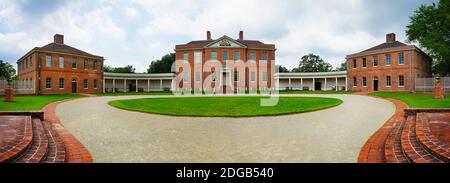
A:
(332, 135)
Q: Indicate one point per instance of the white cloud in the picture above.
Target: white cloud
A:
(131, 13)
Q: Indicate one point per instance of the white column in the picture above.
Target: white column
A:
(114, 85)
(160, 84)
(301, 83)
(325, 84)
(289, 84)
(337, 87)
(148, 84)
(137, 84)
(314, 84)
(346, 87)
(124, 85)
(103, 85)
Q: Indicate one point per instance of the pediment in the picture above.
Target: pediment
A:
(225, 42)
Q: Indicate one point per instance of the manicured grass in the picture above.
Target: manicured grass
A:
(417, 100)
(224, 106)
(312, 92)
(28, 103)
(165, 92)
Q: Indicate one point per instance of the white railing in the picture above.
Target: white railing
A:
(427, 84)
(20, 87)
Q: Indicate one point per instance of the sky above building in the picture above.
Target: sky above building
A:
(138, 31)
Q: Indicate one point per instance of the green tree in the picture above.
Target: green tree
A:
(430, 27)
(126, 69)
(282, 69)
(7, 71)
(162, 65)
(312, 63)
(342, 67)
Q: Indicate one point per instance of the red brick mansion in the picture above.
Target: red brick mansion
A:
(225, 65)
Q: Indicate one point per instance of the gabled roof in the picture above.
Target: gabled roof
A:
(226, 37)
(66, 49)
(386, 45)
(198, 44)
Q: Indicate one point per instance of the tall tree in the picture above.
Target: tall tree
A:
(312, 63)
(282, 69)
(430, 27)
(342, 67)
(162, 65)
(7, 71)
(126, 69)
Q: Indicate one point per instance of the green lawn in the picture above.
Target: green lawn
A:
(165, 92)
(312, 92)
(417, 100)
(28, 103)
(224, 106)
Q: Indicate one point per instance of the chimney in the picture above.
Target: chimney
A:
(390, 37)
(208, 35)
(58, 38)
(241, 35)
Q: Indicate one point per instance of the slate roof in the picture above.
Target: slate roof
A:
(66, 49)
(386, 45)
(248, 43)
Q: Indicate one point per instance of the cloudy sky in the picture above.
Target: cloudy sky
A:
(138, 31)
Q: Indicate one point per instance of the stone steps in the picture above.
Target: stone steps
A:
(56, 151)
(38, 148)
(17, 136)
(393, 147)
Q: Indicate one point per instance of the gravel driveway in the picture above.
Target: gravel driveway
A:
(332, 135)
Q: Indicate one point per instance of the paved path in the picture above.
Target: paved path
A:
(332, 135)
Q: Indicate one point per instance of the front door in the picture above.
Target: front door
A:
(224, 82)
(74, 86)
(375, 85)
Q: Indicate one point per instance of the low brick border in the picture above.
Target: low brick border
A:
(373, 149)
(429, 141)
(20, 144)
(75, 151)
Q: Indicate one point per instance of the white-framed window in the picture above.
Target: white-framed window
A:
(253, 56)
(186, 77)
(236, 76)
(375, 61)
(355, 81)
(197, 76)
(364, 62)
(74, 62)
(236, 56)
(95, 65)
(364, 82)
(401, 81)
(85, 84)
(388, 81)
(354, 63)
(48, 60)
(265, 76)
(48, 83)
(213, 56)
(61, 83)
(264, 58)
(61, 62)
(401, 59)
(225, 56)
(185, 57)
(85, 64)
(95, 84)
(388, 60)
(198, 57)
(253, 76)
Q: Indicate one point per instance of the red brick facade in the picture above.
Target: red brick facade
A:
(62, 69)
(374, 72)
(238, 69)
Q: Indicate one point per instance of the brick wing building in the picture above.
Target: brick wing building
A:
(57, 68)
(390, 66)
(225, 65)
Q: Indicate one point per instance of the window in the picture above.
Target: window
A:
(61, 83)
(85, 64)
(61, 62)
(225, 56)
(253, 76)
(264, 56)
(48, 60)
(388, 59)
(95, 65)
(375, 61)
(198, 57)
(355, 82)
(401, 59)
(48, 83)
(213, 76)
(236, 76)
(197, 76)
(401, 80)
(264, 76)
(74, 62)
(236, 56)
(186, 77)
(253, 56)
(31, 61)
(214, 55)
(85, 84)
(95, 84)
(364, 64)
(185, 57)
(388, 81)
(354, 63)
(364, 82)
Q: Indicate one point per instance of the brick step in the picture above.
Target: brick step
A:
(393, 151)
(38, 148)
(411, 146)
(17, 136)
(428, 140)
(56, 152)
